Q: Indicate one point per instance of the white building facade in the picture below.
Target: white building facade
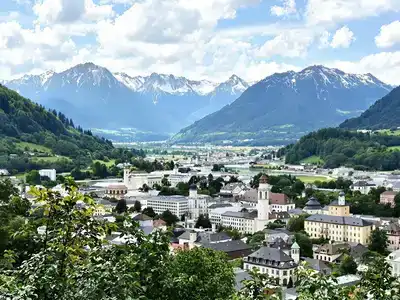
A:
(177, 205)
(51, 173)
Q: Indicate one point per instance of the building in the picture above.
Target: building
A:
(117, 191)
(193, 238)
(337, 224)
(242, 221)
(197, 204)
(393, 260)
(393, 234)
(330, 252)
(388, 198)
(177, 205)
(135, 180)
(215, 214)
(313, 207)
(232, 189)
(50, 173)
(275, 263)
(234, 249)
(280, 202)
(176, 178)
(364, 187)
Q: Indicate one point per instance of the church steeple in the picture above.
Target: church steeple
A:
(263, 198)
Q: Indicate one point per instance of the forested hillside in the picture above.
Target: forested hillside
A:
(384, 114)
(338, 147)
(31, 137)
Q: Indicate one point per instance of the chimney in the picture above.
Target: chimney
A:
(192, 237)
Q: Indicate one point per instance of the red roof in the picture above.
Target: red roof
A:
(277, 198)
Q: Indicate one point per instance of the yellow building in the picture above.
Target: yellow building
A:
(337, 225)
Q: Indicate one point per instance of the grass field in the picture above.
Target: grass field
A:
(394, 148)
(33, 147)
(311, 179)
(49, 158)
(389, 132)
(314, 160)
(108, 163)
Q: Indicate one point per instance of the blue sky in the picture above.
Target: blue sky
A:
(201, 39)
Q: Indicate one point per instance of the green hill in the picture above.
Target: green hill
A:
(338, 147)
(32, 137)
(384, 114)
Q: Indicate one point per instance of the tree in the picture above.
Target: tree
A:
(203, 222)
(7, 190)
(305, 244)
(378, 242)
(33, 177)
(200, 273)
(169, 218)
(296, 224)
(121, 207)
(256, 240)
(148, 211)
(137, 206)
(165, 182)
(232, 232)
(348, 265)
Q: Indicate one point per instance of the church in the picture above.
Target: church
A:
(250, 222)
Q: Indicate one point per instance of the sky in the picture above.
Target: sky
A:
(201, 39)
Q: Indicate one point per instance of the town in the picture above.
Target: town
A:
(262, 213)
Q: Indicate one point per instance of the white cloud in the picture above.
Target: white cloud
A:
(337, 11)
(389, 35)
(324, 40)
(342, 38)
(288, 7)
(384, 65)
(291, 43)
(70, 11)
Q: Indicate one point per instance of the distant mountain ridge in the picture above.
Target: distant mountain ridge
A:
(97, 98)
(384, 114)
(285, 106)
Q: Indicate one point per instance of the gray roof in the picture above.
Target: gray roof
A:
(274, 258)
(351, 221)
(240, 276)
(280, 243)
(240, 214)
(318, 265)
(313, 203)
(231, 246)
(206, 236)
(217, 205)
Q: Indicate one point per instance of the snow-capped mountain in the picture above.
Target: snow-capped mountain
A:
(284, 106)
(95, 97)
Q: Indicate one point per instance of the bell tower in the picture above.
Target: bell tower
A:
(263, 198)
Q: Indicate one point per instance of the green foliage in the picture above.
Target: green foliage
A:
(33, 177)
(137, 206)
(348, 265)
(256, 240)
(232, 232)
(379, 241)
(296, 224)
(148, 211)
(381, 115)
(339, 147)
(305, 244)
(200, 274)
(203, 221)
(258, 288)
(121, 206)
(169, 218)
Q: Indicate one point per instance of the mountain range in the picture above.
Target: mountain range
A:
(153, 106)
(285, 106)
(384, 114)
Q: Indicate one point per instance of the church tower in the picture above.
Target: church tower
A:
(263, 204)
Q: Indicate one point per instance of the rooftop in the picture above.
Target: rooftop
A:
(351, 221)
(272, 257)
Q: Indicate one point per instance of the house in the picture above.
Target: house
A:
(234, 248)
(393, 260)
(393, 234)
(318, 265)
(388, 198)
(275, 263)
(271, 235)
(232, 189)
(330, 252)
(364, 187)
(280, 202)
(193, 238)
